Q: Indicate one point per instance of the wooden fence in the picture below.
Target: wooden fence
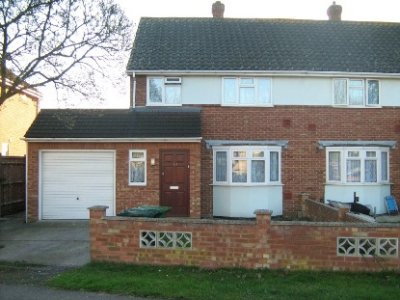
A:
(12, 184)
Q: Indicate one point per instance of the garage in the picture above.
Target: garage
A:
(72, 181)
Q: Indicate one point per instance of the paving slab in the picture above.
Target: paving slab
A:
(58, 243)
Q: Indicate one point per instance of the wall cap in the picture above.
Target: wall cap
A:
(98, 207)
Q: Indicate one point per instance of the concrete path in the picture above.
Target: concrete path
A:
(58, 243)
(24, 292)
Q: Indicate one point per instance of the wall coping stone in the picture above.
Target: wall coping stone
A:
(183, 220)
(98, 207)
(335, 224)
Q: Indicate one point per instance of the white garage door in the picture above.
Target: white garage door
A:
(72, 181)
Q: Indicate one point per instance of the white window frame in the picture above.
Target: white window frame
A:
(363, 157)
(365, 98)
(163, 95)
(249, 150)
(144, 159)
(238, 85)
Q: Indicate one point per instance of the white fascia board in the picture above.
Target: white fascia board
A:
(114, 140)
(295, 73)
(29, 91)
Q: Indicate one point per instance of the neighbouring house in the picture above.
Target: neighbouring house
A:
(228, 116)
(16, 116)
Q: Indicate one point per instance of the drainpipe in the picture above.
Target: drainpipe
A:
(132, 91)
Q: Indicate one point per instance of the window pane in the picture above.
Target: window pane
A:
(340, 91)
(370, 170)
(353, 170)
(230, 91)
(334, 166)
(172, 94)
(373, 92)
(274, 166)
(353, 153)
(264, 91)
(371, 153)
(247, 95)
(155, 93)
(258, 153)
(257, 171)
(246, 80)
(221, 166)
(239, 171)
(137, 155)
(384, 166)
(356, 92)
(239, 153)
(137, 171)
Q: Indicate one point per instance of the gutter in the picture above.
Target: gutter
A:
(294, 73)
(114, 140)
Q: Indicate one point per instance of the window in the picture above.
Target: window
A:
(246, 91)
(164, 91)
(246, 165)
(366, 165)
(137, 167)
(356, 92)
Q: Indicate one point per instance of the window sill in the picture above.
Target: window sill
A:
(358, 184)
(246, 105)
(162, 104)
(247, 185)
(356, 106)
(137, 184)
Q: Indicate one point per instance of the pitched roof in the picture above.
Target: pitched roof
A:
(117, 123)
(265, 44)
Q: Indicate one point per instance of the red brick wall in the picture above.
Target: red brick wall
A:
(140, 96)
(303, 164)
(247, 244)
(126, 195)
(320, 212)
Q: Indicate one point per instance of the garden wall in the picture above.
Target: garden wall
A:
(245, 243)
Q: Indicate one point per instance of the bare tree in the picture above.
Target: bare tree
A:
(53, 41)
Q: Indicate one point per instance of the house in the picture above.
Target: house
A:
(228, 116)
(16, 116)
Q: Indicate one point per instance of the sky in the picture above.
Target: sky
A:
(355, 10)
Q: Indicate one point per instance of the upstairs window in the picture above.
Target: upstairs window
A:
(164, 91)
(246, 165)
(356, 92)
(349, 165)
(246, 91)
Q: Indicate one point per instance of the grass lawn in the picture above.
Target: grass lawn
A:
(194, 283)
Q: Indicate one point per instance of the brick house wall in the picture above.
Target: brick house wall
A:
(247, 244)
(16, 116)
(126, 196)
(303, 164)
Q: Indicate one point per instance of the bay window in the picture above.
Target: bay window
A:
(246, 91)
(246, 165)
(352, 165)
(356, 92)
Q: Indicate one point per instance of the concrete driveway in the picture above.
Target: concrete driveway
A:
(56, 243)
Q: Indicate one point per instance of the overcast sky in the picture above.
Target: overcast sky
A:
(358, 10)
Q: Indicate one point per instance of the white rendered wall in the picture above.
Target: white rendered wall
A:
(373, 195)
(242, 201)
(201, 90)
(311, 91)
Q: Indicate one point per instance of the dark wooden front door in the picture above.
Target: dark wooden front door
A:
(174, 182)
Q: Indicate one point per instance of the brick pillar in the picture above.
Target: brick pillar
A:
(263, 220)
(97, 212)
(303, 197)
(342, 211)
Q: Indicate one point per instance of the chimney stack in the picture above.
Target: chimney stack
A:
(334, 12)
(218, 9)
